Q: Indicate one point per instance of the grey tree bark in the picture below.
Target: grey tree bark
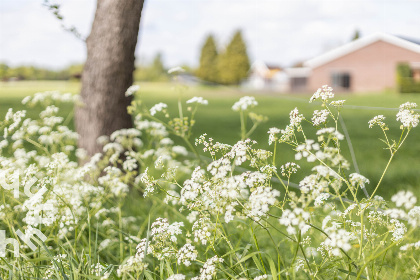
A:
(108, 71)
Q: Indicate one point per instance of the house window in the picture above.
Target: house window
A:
(298, 83)
(340, 80)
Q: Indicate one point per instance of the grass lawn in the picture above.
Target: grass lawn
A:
(221, 123)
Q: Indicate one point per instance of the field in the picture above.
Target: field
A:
(220, 122)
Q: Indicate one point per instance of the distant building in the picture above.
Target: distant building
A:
(266, 77)
(366, 64)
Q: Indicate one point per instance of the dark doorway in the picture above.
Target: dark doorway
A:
(341, 80)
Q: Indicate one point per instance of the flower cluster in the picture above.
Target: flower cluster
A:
(244, 103)
(324, 93)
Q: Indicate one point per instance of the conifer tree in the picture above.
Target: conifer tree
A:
(208, 61)
(234, 63)
(356, 35)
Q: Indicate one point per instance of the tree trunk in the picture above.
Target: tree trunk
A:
(108, 71)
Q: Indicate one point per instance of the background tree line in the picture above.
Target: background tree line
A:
(228, 66)
(28, 72)
(154, 70)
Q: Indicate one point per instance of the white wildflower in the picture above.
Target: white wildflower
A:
(320, 117)
(338, 104)
(303, 150)
(330, 132)
(260, 201)
(186, 254)
(295, 118)
(319, 200)
(324, 93)
(378, 120)
(157, 108)
(244, 103)
(404, 198)
(398, 230)
(132, 90)
(198, 100)
(209, 269)
(338, 239)
(272, 135)
(289, 168)
(296, 218)
(358, 180)
(414, 216)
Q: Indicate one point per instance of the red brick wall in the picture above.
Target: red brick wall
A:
(372, 68)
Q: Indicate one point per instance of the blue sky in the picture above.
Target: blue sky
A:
(277, 31)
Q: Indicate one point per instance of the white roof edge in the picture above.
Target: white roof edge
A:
(358, 44)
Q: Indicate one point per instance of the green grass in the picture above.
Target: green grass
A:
(220, 122)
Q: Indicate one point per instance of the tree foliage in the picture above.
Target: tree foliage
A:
(208, 70)
(234, 63)
(356, 35)
(30, 72)
(154, 71)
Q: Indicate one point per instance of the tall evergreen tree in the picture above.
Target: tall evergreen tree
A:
(356, 35)
(208, 61)
(234, 62)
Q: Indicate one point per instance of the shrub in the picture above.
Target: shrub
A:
(405, 81)
(232, 215)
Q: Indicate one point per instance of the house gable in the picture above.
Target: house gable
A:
(359, 44)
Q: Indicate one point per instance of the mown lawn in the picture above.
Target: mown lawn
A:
(220, 122)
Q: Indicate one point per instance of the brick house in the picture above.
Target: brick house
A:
(366, 64)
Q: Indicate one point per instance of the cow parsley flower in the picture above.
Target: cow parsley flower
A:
(297, 218)
(209, 269)
(408, 106)
(404, 198)
(201, 230)
(338, 104)
(303, 150)
(260, 201)
(272, 135)
(132, 90)
(378, 120)
(329, 132)
(407, 116)
(149, 181)
(414, 216)
(320, 117)
(198, 100)
(338, 239)
(157, 108)
(319, 200)
(244, 103)
(358, 180)
(186, 254)
(398, 230)
(289, 168)
(408, 246)
(324, 93)
(296, 118)
(287, 134)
